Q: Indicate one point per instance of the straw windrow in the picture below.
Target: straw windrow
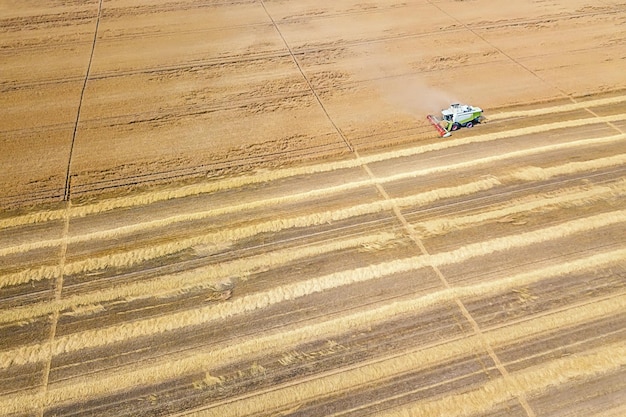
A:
(220, 239)
(324, 386)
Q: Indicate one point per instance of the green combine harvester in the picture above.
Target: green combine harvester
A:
(455, 117)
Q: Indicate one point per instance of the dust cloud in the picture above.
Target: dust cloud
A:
(403, 87)
(412, 94)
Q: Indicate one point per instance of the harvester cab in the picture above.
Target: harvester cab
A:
(455, 117)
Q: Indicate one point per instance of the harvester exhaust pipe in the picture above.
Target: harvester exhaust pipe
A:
(433, 121)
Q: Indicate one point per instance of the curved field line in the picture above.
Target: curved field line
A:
(205, 277)
(306, 196)
(217, 239)
(325, 385)
(261, 177)
(573, 197)
(211, 313)
(558, 109)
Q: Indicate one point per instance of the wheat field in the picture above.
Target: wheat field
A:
(294, 289)
(251, 219)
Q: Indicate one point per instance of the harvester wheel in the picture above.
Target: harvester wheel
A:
(455, 126)
(469, 125)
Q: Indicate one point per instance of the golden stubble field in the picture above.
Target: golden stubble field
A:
(238, 208)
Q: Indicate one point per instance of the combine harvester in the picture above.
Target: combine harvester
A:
(455, 117)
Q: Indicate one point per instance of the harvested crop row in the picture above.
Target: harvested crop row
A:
(574, 197)
(558, 109)
(602, 360)
(93, 386)
(205, 277)
(220, 239)
(307, 196)
(262, 177)
(527, 174)
(532, 381)
(153, 326)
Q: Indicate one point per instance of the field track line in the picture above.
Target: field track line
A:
(307, 196)
(306, 79)
(476, 329)
(340, 380)
(153, 326)
(268, 176)
(558, 109)
(204, 277)
(58, 290)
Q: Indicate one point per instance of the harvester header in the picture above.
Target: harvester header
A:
(455, 117)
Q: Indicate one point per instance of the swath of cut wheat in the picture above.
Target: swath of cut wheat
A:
(578, 367)
(219, 239)
(114, 334)
(606, 359)
(377, 372)
(101, 384)
(207, 276)
(335, 280)
(222, 239)
(204, 277)
(412, 200)
(558, 109)
(573, 197)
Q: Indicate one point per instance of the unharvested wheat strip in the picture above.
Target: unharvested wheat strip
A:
(347, 379)
(578, 196)
(198, 278)
(529, 382)
(530, 173)
(558, 109)
(224, 238)
(261, 177)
